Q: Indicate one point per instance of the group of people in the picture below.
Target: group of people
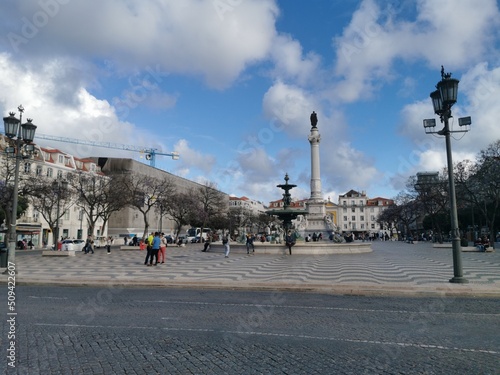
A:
(315, 237)
(225, 242)
(156, 246)
(25, 244)
(482, 243)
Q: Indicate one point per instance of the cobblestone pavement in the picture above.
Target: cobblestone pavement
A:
(392, 268)
(122, 330)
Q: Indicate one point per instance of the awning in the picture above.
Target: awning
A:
(25, 228)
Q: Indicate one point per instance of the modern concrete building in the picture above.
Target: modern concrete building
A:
(129, 222)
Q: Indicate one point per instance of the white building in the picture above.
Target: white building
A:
(255, 207)
(358, 213)
(55, 164)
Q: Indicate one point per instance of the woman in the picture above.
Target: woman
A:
(163, 248)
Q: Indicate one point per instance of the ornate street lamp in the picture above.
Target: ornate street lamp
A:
(24, 135)
(442, 100)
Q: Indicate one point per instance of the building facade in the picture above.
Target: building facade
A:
(58, 165)
(357, 213)
(253, 206)
(128, 222)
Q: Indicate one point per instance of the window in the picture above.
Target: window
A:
(60, 159)
(373, 226)
(362, 218)
(66, 215)
(361, 209)
(49, 172)
(362, 226)
(345, 218)
(59, 174)
(36, 215)
(345, 226)
(372, 218)
(39, 170)
(27, 167)
(353, 218)
(344, 203)
(353, 203)
(344, 210)
(353, 209)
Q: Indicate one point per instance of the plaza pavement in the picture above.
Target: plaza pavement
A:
(393, 268)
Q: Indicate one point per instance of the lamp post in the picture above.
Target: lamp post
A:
(60, 187)
(23, 149)
(442, 100)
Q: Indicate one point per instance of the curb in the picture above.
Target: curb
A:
(453, 290)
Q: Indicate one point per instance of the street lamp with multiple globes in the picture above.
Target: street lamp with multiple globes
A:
(23, 149)
(442, 100)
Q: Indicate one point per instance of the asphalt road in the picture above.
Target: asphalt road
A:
(67, 330)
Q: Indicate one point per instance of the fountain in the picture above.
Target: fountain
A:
(287, 214)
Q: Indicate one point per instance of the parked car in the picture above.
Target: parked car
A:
(79, 244)
(100, 241)
(196, 239)
(169, 238)
(182, 239)
(68, 245)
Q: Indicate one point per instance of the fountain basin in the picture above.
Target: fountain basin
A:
(300, 248)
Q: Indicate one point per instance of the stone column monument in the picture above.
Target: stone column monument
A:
(316, 218)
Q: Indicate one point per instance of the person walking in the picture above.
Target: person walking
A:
(149, 254)
(88, 245)
(290, 241)
(163, 248)
(225, 242)
(206, 247)
(108, 245)
(250, 244)
(155, 248)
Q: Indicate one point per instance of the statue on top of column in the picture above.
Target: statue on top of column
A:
(314, 119)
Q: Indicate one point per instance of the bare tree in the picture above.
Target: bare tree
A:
(114, 196)
(404, 212)
(88, 189)
(179, 209)
(432, 193)
(479, 184)
(147, 193)
(7, 171)
(211, 202)
(51, 200)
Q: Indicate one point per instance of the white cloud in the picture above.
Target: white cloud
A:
(291, 64)
(455, 33)
(81, 116)
(190, 158)
(290, 107)
(345, 167)
(479, 93)
(187, 37)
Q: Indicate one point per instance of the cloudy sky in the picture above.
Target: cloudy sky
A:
(230, 84)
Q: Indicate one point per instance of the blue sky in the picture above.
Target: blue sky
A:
(230, 84)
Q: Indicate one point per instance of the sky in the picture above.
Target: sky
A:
(230, 85)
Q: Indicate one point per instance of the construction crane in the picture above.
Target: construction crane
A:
(150, 153)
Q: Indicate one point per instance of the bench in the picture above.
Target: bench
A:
(52, 253)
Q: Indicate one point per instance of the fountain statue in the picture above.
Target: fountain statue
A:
(287, 214)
